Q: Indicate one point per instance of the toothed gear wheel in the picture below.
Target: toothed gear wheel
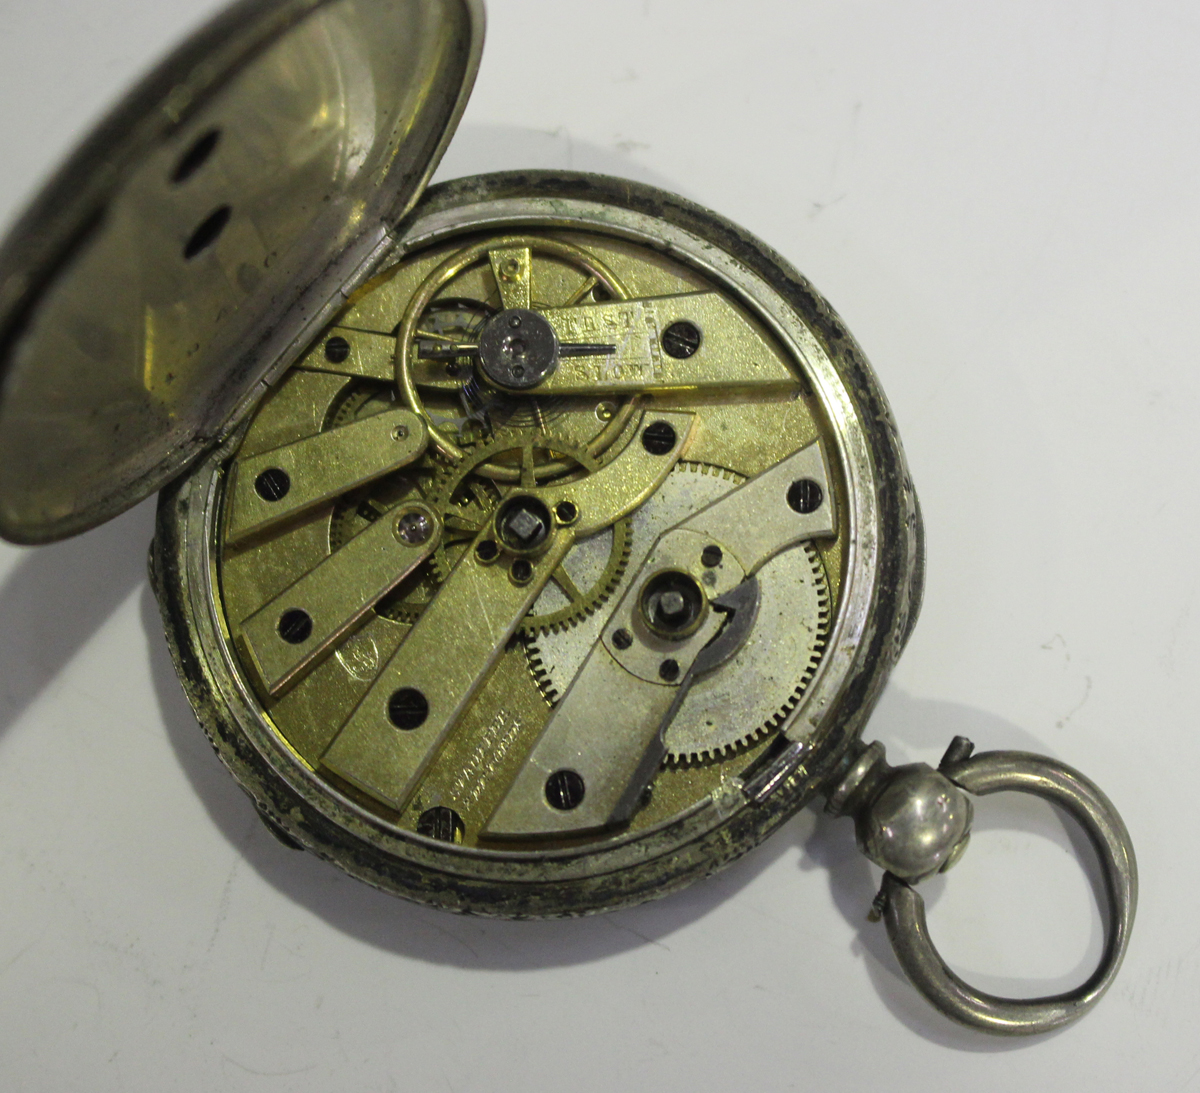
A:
(586, 578)
(589, 573)
(753, 693)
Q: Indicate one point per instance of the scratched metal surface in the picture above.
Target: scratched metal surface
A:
(1002, 204)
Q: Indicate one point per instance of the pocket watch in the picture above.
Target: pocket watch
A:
(533, 544)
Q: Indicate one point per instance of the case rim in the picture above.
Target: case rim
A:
(582, 881)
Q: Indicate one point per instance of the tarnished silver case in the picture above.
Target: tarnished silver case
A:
(881, 591)
(155, 294)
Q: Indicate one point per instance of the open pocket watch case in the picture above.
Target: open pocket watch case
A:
(529, 545)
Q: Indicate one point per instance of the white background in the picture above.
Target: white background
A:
(1001, 200)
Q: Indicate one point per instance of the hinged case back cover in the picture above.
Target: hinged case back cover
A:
(201, 235)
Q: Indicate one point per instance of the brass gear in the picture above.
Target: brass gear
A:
(589, 573)
(408, 334)
(547, 619)
(466, 500)
(751, 695)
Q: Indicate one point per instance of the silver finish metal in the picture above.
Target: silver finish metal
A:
(765, 679)
(641, 682)
(148, 295)
(740, 606)
(915, 836)
(911, 821)
(617, 768)
(847, 641)
(107, 211)
(917, 825)
(761, 523)
(518, 349)
(625, 867)
(767, 781)
(844, 795)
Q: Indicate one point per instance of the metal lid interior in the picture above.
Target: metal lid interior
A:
(201, 235)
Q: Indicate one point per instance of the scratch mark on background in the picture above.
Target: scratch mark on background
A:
(1087, 690)
(10, 963)
(609, 920)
